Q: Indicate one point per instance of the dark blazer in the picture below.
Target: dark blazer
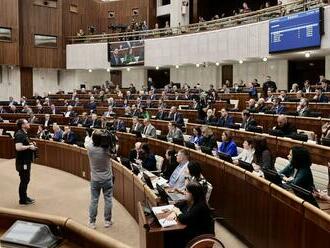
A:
(210, 121)
(249, 123)
(306, 112)
(228, 122)
(199, 221)
(266, 161)
(162, 115)
(177, 117)
(72, 113)
(209, 142)
(139, 128)
(95, 124)
(50, 122)
(85, 122)
(132, 155)
(278, 110)
(168, 168)
(286, 130)
(149, 162)
(70, 138)
(322, 98)
(303, 177)
(91, 106)
(119, 126)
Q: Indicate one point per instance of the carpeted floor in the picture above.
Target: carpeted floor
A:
(63, 194)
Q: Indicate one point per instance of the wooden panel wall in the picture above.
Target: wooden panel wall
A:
(9, 51)
(26, 81)
(45, 21)
(123, 12)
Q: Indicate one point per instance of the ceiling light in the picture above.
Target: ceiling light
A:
(108, 70)
(128, 69)
(265, 59)
(241, 61)
(90, 70)
(197, 65)
(307, 55)
(157, 67)
(177, 67)
(217, 64)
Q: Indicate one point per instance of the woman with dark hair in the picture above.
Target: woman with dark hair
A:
(197, 217)
(196, 138)
(263, 158)
(148, 159)
(299, 172)
(169, 164)
(228, 146)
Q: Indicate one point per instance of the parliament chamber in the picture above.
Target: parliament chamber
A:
(181, 123)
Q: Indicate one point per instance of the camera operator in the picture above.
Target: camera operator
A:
(25, 151)
(101, 175)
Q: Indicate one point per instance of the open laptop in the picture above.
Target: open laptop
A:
(245, 165)
(274, 177)
(206, 150)
(135, 169)
(147, 180)
(189, 144)
(225, 157)
(304, 194)
(166, 195)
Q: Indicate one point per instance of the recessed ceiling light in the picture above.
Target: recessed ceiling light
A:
(307, 54)
(265, 59)
(197, 65)
(217, 64)
(177, 66)
(128, 69)
(241, 61)
(157, 67)
(108, 70)
(90, 70)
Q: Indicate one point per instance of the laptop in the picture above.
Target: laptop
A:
(148, 180)
(273, 177)
(206, 150)
(135, 169)
(189, 145)
(166, 195)
(225, 157)
(246, 166)
(304, 194)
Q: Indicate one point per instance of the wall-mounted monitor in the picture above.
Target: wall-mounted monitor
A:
(296, 31)
(126, 53)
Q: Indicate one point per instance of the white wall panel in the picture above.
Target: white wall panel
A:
(11, 83)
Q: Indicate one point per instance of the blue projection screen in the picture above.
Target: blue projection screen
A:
(297, 31)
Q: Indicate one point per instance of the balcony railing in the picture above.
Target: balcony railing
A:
(227, 22)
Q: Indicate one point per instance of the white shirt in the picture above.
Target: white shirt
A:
(177, 179)
(246, 156)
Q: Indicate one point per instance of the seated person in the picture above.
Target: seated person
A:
(261, 106)
(119, 125)
(248, 122)
(109, 113)
(248, 152)
(91, 106)
(252, 91)
(307, 87)
(134, 153)
(84, 120)
(303, 109)
(95, 123)
(294, 88)
(208, 139)
(299, 172)
(169, 164)
(69, 112)
(42, 133)
(69, 137)
(225, 120)
(58, 133)
(149, 130)
(161, 114)
(210, 119)
(228, 146)
(197, 216)
(196, 138)
(251, 107)
(175, 116)
(148, 159)
(137, 126)
(326, 130)
(263, 158)
(319, 97)
(177, 179)
(284, 128)
(283, 96)
(277, 107)
(174, 132)
(128, 112)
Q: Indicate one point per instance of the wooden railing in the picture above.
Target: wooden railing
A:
(241, 19)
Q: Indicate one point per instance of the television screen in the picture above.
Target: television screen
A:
(126, 53)
(296, 31)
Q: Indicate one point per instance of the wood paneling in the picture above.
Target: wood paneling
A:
(44, 21)
(27, 81)
(9, 51)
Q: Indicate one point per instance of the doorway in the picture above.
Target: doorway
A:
(160, 77)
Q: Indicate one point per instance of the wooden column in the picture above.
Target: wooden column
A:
(27, 81)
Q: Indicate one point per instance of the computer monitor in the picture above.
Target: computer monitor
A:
(273, 176)
(325, 142)
(148, 180)
(135, 169)
(189, 144)
(206, 150)
(246, 166)
(305, 195)
(162, 193)
(225, 157)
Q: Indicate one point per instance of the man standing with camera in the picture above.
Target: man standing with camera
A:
(24, 157)
(101, 176)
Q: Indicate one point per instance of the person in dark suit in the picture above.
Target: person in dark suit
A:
(91, 106)
(109, 113)
(2, 110)
(195, 213)
(137, 127)
(175, 116)
(48, 121)
(319, 97)
(208, 139)
(284, 127)
(148, 159)
(252, 106)
(53, 110)
(161, 114)
(263, 158)
(58, 133)
(149, 130)
(261, 108)
(169, 164)
(84, 121)
(69, 137)
(298, 172)
(210, 119)
(307, 87)
(119, 125)
(134, 153)
(115, 58)
(303, 109)
(325, 86)
(69, 113)
(248, 121)
(225, 120)
(269, 85)
(277, 107)
(12, 109)
(95, 123)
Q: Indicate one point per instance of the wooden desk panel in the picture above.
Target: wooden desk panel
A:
(7, 146)
(117, 170)
(139, 195)
(129, 200)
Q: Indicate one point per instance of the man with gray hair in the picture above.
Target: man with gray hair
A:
(149, 129)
